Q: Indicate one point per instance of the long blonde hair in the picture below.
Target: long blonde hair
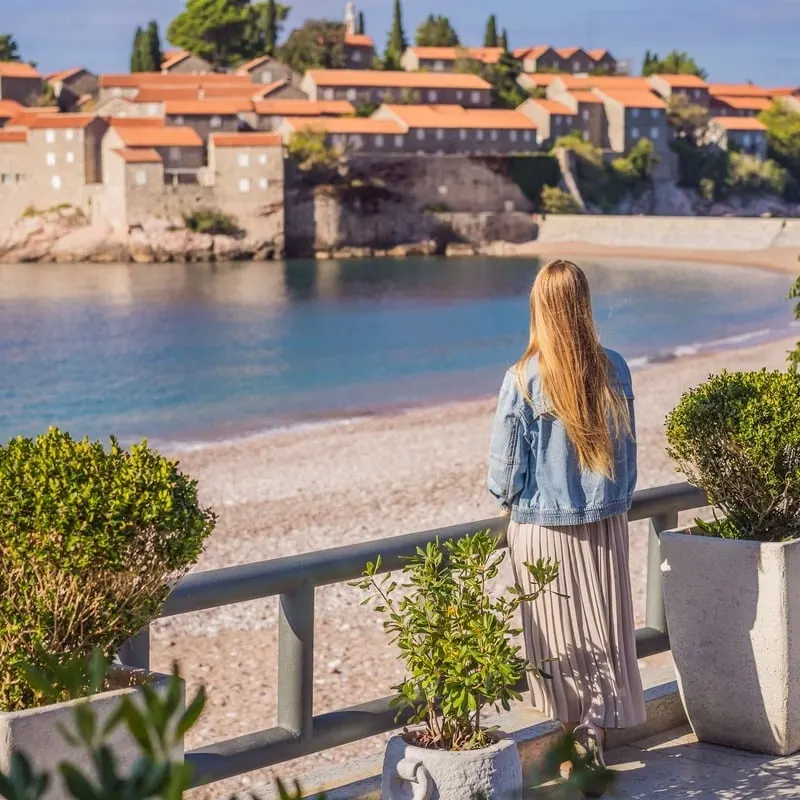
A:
(576, 374)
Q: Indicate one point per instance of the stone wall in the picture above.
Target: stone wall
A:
(706, 233)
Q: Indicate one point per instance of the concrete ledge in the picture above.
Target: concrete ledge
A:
(535, 734)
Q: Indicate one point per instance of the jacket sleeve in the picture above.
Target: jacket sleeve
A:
(632, 449)
(509, 450)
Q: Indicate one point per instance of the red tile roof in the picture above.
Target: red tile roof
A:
(216, 107)
(633, 98)
(355, 125)
(543, 79)
(488, 55)
(457, 117)
(248, 139)
(682, 81)
(554, 107)
(175, 58)
(17, 69)
(265, 90)
(145, 155)
(304, 108)
(737, 90)
(744, 103)
(27, 115)
(568, 52)
(138, 80)
(613, 82)
(392, 79)
(585, 96)
(597, 55)
(63, 75)
(739, 123)
(10, 108)
(45, 121)
(532, 52)
(358, 40)
(13, 136)
(155, 136)
(137, 122)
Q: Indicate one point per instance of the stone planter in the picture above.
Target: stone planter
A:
(415, 773)
(34, 731)
(733, 615)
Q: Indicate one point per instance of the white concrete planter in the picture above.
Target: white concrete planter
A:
(34, 732)
(416, 773)
(733, 614)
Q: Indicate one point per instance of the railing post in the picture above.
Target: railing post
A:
(655, 616)
(296, 660)
(136, 651)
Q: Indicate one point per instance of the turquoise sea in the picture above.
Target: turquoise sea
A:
(186, 354)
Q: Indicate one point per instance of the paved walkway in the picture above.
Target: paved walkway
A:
(675, 765)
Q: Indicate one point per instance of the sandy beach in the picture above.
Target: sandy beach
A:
(296, 491)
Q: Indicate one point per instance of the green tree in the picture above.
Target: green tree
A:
(136, 50)
(319, 43)
(504, 40)
(676, 62)
(155, 54)
(687, 119)
(9, 49)
(436, 31)
(262, 30)
(506, 92)
(783, 137)
(793, 356)
(362, 26)
(490, 37)
(397, 43)
(270, 28)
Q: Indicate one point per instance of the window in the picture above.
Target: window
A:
(5, 178)
(152, 109)
(635, 113)
(439, 134)
(357, 56)
(459, 95)
(70, 158)
(243, 159)
(378, 140)
(357, 141)
(438, 65)
(244, 185)
(19, 178)
(576, 65)
(352, 95)
(654, 113)
(69, 134)
(398, 140)
(140, 177)
(116, 92)
(697, 93)
(50, 159)
(179, 119)
(512, 135)
(174, 154)
(476, 97)
(328, 94)
(634, 133)
(526, 136)
(746, 140)
(266, 76)
(440, 152)
(509, 205)
(49, 136)
(462, 134)
(586, 114)
(216, 121)
(420, 134)
(493, 136)
(263, 184)
(586, 136)
(55, 182)
(654, 133)
(433, 96)
(479, 135)
(557, 119)
(442, 190)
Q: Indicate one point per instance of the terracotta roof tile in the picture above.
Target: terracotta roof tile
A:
(248, 139)
(63, 75)
(488, 55)
(265, 90)
(433, 117)
(356, 125)
(358, 40)
(554, 107)
(27, 115)
(153, 136)
(173, 59)
(682, 81)
(251, 65)
(537, 51)
(216, 107)
(568, 52)
(585, 96)
(399, 80)
(140, 79)
(737, 90)
(10, 108)
(744, 103)
(137, 122)
(45, 121)
(612, 82)
(543, 79)
(633, 98)
(13, 136)
(145, 155)
(739, 123)
(17, 69)
(597, 55)
(304, 108)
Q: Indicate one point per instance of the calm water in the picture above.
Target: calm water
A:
(185, 353)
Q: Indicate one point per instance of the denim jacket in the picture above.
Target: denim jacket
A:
(533, 466)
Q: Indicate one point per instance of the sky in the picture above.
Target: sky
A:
(735, 40)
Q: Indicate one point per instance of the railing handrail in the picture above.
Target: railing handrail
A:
(294, 579)
(203, 590)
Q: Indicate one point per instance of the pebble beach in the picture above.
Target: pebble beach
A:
(308, 489)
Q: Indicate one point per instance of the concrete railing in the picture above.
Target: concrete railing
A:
(293, 580)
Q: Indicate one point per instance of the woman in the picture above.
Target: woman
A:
(563, 464)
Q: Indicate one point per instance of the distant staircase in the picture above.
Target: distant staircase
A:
(565, 163)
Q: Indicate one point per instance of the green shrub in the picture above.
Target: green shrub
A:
(531, 173)
(750, 175)
(455, 640)
(557, 201)
(738, 437)
(211, 221)
(309, 148)
(702, 168)
(794, 355)
(91, 540)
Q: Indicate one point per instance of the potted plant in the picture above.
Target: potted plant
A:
(91, 542)
(457, 644)
(731, 585)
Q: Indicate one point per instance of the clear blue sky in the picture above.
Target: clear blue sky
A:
(735, 40)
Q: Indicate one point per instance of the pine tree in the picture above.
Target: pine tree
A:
(490, 37)
(504, 41)
(145, 57)
(155, 54)
(136, 50)
(397, 43)
(362, 27)
(270, 28)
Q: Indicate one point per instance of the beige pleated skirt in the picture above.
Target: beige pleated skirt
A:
(585, 640)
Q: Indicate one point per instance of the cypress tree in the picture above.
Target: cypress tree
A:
(490, 37)
(270, 28)
(397, 39)
(145, 57)
(136, 51)
(362, 28)
(154, 53)
(504, 41)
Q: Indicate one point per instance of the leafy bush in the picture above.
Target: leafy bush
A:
(783, 136)
(531, 173)
(794, 355)
(750, 175)
(738, 437)
(310, 150)
(91, 540)
(557, 201)
(702, 168)
(211, 221)
(455, 639)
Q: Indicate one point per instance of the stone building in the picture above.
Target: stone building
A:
(208, 116)
(692, 87)
(271, 113)
(8, 110)
(552, 119)
(359, 51)
(445, 59)
(633, 115)
(744, 134)
(185, 63)
(266, 70)
(73, 86)
(20, 82)
(180, 147)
